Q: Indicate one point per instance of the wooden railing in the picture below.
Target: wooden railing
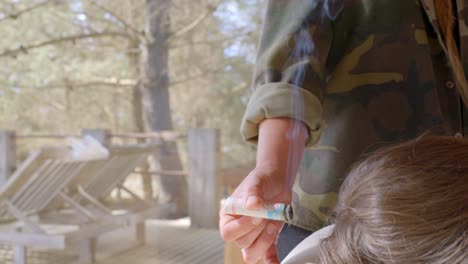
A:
(207, 180)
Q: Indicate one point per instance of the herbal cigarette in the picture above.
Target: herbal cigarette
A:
(279, 211)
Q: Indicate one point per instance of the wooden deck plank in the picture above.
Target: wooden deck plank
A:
(169, 242)
(176, 244)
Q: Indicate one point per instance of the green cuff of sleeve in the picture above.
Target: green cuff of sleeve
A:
(274, 100)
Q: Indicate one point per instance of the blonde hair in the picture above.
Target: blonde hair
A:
(446, 20)
(405, 204)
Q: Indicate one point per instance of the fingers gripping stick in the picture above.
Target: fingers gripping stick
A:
(279, 211)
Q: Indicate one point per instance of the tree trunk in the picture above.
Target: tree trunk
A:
(146, 178)
(137, 98)
(155, 91)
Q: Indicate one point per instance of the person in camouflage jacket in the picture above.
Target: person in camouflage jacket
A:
(343, 77)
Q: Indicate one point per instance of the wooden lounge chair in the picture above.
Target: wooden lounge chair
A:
(38, 180)
(95, 183)
(50, 174)
(94, 187)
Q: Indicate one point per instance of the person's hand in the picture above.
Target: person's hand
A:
(281, 142)
(257, 237)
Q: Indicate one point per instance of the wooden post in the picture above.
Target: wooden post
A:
(19, 254)
(7, 155)
(204, 177)
(101, 135)
(87, 248)
(140, 233)
(19, 251)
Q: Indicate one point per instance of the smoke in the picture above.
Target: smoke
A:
(332, 8)
(304, 51)
(304, 47)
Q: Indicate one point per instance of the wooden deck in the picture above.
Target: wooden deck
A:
(173, 242)
(169, 242)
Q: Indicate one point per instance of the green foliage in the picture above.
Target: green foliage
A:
(68, 65)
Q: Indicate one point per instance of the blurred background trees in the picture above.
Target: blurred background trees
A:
(130, 65)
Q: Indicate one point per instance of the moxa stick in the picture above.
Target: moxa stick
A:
(279, 211)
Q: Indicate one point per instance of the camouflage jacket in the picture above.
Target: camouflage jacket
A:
(366, 72)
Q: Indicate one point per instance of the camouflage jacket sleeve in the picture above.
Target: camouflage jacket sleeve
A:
(291, 58)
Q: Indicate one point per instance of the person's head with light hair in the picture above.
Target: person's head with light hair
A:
(404, 204)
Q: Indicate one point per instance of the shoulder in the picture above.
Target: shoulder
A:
(308, 250)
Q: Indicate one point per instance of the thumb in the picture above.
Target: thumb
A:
(254, 198)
